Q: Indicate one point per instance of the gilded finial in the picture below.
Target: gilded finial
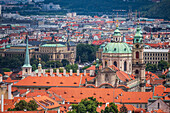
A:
(117, 21)
(39, 60)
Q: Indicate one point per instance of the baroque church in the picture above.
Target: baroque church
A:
(121, 65)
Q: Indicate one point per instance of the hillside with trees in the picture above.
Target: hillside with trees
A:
(99, 5)
(157, 10)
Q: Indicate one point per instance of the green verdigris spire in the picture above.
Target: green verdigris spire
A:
(138, 38)
(117, 32)
(27, 59)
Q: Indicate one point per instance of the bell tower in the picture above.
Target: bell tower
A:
(26, 68)
(138, 65)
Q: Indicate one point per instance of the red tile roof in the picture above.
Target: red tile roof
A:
(50, 81)
(75, 95)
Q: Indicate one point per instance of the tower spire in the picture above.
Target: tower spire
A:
(27, 68)
(27, 60)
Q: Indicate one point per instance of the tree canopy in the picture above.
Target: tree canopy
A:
(86, 52)
(89, 105)
(162, 65)
(112, 108)
(23, 105)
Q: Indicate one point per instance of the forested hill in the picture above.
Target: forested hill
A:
(157, 10)
(147, 8)
(99, 5)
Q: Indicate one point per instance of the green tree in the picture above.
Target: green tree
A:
(86, 52)
(23, 105)
(32, 105)
(65, 62)
(111, 109)
(123, 109)
(34, 67)
(74, 67)
(6, 70)
(89, 105)
(162, 65)
(44, 57)
(151, 67)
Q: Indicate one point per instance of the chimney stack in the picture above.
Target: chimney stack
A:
(57, 72)
(64, 72)
(2, 103)
(51, 72)
(9, 91)
(39, 72)
(43, 71)
(71, 72)
(78, 72)
(0, 78)
(91, 72)
(84, 72)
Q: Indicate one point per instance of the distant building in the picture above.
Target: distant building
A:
(153, 56)
(71, 14)
(51, 7)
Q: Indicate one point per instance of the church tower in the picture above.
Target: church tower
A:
(137, 59)
(26, 68)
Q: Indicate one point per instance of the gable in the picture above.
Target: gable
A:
(107, 70)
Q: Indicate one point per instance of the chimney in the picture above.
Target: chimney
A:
(2, 103)
(57, 72)
(0, 78)
(64, 72)
(78, 72)
(39, 72)
(91, 72)
(71, 72)
(51, 72)
(84, 72)
(43, 71)
(9, 91)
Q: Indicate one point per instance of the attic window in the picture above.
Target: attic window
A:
(72, 96)
(128, 98)
(34, 82)
(74, 100)
(139, 98)
(81, 93)
(75, 82)
(100, 97)
(65, 92)
(94, 93)
(108, 94)
(61, 82)
(47, 82)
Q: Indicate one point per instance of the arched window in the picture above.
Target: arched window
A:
(136, 72)
(125, 66)
(137, 54)
(105, 63)
(26, 70)
(106, 78)
(115, 63)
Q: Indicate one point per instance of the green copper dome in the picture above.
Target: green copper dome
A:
(117, 32)
(138, 36)
(113, 47)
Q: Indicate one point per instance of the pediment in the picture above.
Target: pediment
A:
(107, 70)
